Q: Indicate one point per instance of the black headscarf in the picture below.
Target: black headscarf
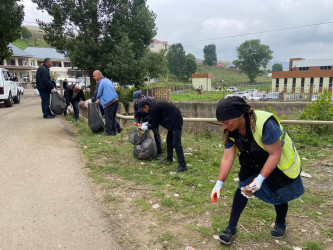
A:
(230, 108)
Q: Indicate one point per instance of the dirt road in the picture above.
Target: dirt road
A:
(46, 199)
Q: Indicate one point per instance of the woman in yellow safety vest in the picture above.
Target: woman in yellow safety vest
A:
(270, 165)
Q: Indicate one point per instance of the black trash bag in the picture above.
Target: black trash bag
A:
(144, 144)
(58, 103)
(95, 119)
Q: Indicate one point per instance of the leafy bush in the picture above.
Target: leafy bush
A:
(125, 96)
(320, 110)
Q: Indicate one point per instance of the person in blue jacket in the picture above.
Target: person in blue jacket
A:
(108, 98)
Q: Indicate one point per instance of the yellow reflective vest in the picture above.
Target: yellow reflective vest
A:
(290, 162)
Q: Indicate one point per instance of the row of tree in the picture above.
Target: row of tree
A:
(114, 37)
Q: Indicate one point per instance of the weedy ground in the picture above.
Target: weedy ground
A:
(150, 207)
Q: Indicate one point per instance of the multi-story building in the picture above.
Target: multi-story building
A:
(157, 46)
(23, 64)
(309, 76)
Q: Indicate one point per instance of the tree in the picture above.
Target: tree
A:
(176, 60)
(26, 33)
(11, 17)
(251, 56)
(277, 67)
(210, 55)
(110, 35)
(190, 65)
(156, 63)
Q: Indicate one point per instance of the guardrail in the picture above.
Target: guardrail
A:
(197, 119)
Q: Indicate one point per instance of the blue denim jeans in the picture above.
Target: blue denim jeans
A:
(45, 96)
(76, 109)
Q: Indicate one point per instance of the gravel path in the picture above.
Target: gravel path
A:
(46, 199)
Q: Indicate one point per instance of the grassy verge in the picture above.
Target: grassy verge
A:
(185, 214)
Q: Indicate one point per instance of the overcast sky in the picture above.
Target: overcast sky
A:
(196, 23)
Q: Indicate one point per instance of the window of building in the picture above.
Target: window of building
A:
(12, 62)
(330, 82)
(277, 82)
(303, 68)
(294, 82)
(285, 82)
(151, 46)
(302, 82)
(325, 67)
(67, 64)
(321, 80)
(311, 81)
(32, 63)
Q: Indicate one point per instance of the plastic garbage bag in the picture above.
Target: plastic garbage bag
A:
(95, 119)
(144, 144)
(58, 103)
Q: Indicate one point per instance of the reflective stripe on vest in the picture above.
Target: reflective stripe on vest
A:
(290, 162)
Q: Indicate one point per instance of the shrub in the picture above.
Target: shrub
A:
(320, 110)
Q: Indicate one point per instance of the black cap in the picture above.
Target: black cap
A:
(230, 108)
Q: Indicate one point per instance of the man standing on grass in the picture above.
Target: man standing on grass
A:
(108, 98)
(44, 86)
(169, 116)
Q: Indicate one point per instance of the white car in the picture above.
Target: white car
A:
(232, 89)
(20, 88)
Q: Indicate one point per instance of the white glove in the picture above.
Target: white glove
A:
(89, 101)
(255, 185)
(144, 123)
(53, 90)
(216, 192)
(143, 127)
(69, 109)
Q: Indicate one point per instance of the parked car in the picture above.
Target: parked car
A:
(20, 88)
(257, 96)
(9, 92)
(314, 98)
(273, 96)
(232, 89)
(295, 97)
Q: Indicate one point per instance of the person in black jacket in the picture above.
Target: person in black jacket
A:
(140, 117)
(169, 116)
(44, 86)
(73, 95)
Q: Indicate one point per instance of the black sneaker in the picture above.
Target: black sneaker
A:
(119, 130)
(159, 157)
(180, 169)
(227, 236)
(279, 231)
(166, 161)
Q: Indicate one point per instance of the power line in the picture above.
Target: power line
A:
(259, 32)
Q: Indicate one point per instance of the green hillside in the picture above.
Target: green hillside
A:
(36, 40)
(230, 76)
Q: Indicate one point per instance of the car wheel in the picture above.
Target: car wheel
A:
(17, 99)
(9, 102)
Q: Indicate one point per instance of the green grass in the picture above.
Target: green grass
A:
(230, 76)
(112, 156)
(37, 40)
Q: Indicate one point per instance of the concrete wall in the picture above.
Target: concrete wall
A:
(208, 109)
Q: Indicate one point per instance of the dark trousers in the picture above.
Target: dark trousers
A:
(45, 96)
(102, 112)
(110, 118)
(76, 109)
(239, 203)
(174, 142)
(158, 141)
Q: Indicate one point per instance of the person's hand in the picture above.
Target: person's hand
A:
(255, 185)
(216, 192)
(137, 124)
(145, 124)
(89, 101)
(69, 109)
(144, 127)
